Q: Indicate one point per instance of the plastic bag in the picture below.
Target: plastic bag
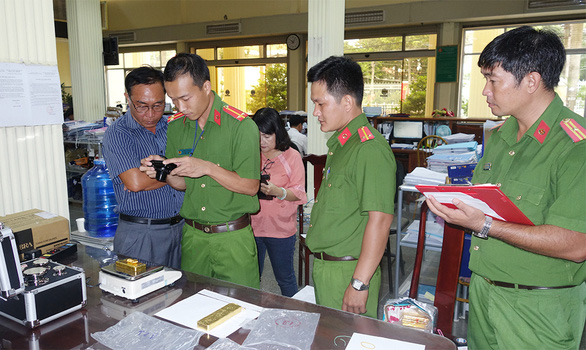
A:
(410, 313)
(139, 331)
(278, 329)
(227, 344)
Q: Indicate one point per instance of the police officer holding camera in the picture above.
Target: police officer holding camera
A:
(150, 225)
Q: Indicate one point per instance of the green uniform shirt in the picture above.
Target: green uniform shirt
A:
(547, 180)
(228, 140)
(359, 177)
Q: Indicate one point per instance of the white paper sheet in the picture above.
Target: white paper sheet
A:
(363, 341)
(306, 294)
(188, 311)
(448, 197)
(30, 95)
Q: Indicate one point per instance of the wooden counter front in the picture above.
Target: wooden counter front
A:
(105, 310)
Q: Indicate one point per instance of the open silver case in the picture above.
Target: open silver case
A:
(37, 291)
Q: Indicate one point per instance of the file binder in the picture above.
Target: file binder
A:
(488, 198)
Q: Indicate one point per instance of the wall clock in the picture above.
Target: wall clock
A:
(293, 41)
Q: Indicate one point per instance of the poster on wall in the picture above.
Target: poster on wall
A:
(446, 64)
(29, 95)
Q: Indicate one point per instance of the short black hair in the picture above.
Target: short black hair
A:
(187, 63)
(341, 75)
(295, 120)
(145, 75)
(269, 122)
(524, 50)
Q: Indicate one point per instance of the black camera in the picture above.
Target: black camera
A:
(264, 178)
(162, 169)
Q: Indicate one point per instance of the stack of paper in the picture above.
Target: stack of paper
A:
(459, 137)
(456, 148)
(440, 162)
(402, 146)
(422, 176)
(452, 154)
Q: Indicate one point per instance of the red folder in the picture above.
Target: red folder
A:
(491, 195)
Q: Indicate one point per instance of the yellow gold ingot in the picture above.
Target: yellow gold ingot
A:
(219, 316)
(130, 266)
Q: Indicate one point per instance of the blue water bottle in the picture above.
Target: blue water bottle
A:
(99, 201)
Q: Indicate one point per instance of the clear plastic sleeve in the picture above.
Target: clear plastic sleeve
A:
(278, 329)
(138, 331)
(410, 313)
(227, 344)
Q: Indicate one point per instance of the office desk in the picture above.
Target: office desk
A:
(408, 157)
(104, 310)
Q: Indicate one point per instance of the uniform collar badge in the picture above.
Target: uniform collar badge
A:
(541, 133)
(217, 117)
(344, 136)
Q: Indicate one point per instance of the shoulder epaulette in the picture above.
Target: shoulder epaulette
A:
(174, 117)
(365, 134)
(236, 113)
(576, 131)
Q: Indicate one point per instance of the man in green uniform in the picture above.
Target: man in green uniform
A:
(528, 289)
(352, 215)
(216, 150)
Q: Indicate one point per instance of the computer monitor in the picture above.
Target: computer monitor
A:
(407, 131)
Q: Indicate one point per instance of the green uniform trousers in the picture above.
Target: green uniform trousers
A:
(229, 256)
(509, 318)
(331, 278)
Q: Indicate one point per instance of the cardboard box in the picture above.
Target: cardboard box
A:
(37, 229)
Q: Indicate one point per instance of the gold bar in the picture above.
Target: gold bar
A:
(130, 266)
(219, 316)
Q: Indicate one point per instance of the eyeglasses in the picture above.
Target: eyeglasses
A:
(268, 164)
(158, 107)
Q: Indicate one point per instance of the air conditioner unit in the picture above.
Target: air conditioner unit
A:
(125, 37)
(534, 4)
(365, 17)
(223, 28)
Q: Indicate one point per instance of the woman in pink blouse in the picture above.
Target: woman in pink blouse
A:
(275, 224)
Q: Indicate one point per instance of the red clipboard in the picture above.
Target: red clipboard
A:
(490, 195)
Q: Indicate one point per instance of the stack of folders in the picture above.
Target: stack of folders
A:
(459, 138)
(452, 154)
(422, 176)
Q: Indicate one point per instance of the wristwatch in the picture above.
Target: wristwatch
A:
(358, 284)
(484, 232)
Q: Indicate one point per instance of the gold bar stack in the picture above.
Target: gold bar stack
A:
(219, 316)
(130, 266)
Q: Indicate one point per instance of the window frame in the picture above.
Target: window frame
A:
(506, 26)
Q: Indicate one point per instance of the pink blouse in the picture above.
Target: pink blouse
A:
(277, 218)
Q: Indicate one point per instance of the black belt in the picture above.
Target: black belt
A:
(171, 221)
(324, 256)
(521, 286)
(233, 225)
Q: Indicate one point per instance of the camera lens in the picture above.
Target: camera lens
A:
(161, 174)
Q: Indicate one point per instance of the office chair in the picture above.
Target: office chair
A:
(318, 162)
(425, 146)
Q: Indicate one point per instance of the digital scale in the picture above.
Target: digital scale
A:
(37, 291)
(131, 279)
